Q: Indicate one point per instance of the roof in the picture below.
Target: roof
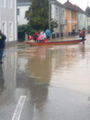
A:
(79, 9)
(57, 3)
(76, 8)
(69, 5)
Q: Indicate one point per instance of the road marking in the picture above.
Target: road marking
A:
(19, 108)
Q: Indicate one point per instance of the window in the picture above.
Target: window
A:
(0, 3)
(4, 27)
(10, 26)
(4, 3)
(11, 3)
(18, 11)
(56, 11)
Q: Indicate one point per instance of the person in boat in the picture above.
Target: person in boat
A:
(30, 37)
(48, 33)
(82, 33)
(41, 37)
(35, 36)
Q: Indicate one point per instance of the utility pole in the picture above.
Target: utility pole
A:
(50, 2)
(49, 14)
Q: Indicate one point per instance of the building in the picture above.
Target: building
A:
(88, 18)
(71, 17)
(8, 22)
(81, 18)
(22, 7)
(58, 14)
(75, 17)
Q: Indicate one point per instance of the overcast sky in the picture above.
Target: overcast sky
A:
(81, 3)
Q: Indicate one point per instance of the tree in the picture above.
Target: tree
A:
(87, 11)
(38, 15)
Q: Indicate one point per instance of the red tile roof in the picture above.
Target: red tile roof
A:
(69, 5)
(79, 9)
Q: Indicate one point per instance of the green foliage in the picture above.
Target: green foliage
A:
(53, 24)
(87, 11)
(24, 29)
(38, 15)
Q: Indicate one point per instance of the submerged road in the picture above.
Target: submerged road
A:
(46, 83)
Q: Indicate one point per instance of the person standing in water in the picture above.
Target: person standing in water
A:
(2, 45)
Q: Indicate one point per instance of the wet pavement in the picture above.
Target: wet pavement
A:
(46, 83)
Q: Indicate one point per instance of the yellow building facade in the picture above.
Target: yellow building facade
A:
(71, 18)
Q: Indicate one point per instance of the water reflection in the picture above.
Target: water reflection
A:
(57, 65)
(82, 50)
(35, 78)
(43, 62)
(8, 76)
(1, 80)
(39, 95)
(54, 77)
(36, 74)
(41, 69)
(8, 84)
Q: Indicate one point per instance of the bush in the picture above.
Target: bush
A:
(24, 29)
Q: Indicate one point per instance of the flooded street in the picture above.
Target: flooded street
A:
(46, 83)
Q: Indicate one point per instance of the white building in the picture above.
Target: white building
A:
(8, 23)
(88, 22)
(82, 23)
(81, 19)
(88, 18)
(22, 7)
(58, 14)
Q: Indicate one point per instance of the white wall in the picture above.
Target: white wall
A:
(55, 16)
(8, 22)
(82, 21)
(58, 14)
(21, 17)
(88, 21)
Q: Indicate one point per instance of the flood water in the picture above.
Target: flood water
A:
(61, 66)
(55, 81)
